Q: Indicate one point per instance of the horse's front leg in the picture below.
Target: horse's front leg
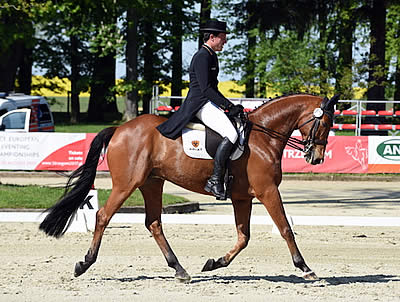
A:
(152, 194)
(242, 210)
(271, 199)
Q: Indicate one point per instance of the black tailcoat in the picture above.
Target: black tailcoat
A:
(203, 73)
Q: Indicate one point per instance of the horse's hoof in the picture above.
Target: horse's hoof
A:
(183, 277)
(79, 269)
(310, 276)
(209, 266)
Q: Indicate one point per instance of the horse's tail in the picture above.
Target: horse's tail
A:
(60, 215)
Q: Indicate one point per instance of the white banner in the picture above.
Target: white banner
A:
(41, 151)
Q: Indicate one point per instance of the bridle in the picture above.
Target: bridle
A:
(302, 145)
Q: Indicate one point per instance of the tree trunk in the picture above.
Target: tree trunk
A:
(251, 23)
(25, 71)
(102, 101)
(176, 57)
(250, 67)
(376, 66)
(205, 14)
(148, 68)
(345, 61)
(396, 95)
(132, 98)
(322, 24)
(75, 108)
(9, 60)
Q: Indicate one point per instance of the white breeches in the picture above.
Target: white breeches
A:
(215, 118)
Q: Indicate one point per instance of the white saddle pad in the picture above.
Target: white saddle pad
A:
(194, 142)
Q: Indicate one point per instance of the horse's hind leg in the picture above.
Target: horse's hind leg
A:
(242, 209)
(152, 194)
(103, 217)
(272, 201)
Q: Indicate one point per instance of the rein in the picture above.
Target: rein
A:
(294, 142)
(290, 141)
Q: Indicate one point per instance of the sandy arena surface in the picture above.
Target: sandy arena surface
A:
(353, 263)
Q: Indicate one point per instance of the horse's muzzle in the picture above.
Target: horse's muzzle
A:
(312, 159)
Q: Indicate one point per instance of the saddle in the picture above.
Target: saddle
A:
(200, 141)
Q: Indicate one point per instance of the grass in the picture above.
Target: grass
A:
(39, 197)
(62, 124)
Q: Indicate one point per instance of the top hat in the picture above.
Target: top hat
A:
(214, 26)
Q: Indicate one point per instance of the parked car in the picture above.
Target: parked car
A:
(25, 113)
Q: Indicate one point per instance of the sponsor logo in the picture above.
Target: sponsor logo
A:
(358, 153)
(389, 149)
(195, 143)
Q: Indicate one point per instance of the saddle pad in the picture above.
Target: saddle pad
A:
(194, 142)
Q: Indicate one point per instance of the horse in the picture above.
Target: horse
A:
(138, 156)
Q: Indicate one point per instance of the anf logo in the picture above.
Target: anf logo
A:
(195, 143)
(389, 149)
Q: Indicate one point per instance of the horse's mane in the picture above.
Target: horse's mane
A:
(279, 97)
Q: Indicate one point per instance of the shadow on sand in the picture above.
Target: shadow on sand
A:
(329, 281)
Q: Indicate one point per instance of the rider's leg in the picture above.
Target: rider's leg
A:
(215, 118)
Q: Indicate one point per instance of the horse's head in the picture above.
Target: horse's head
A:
(315, 130)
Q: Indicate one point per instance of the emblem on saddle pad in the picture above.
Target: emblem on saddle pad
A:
(201, 142)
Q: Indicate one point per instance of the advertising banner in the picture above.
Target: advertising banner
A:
(384, 154)
(67, 151)
(343, 154)
(41, 151)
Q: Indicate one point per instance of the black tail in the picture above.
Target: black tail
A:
(60, 215)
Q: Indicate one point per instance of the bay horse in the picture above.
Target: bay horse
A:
(139, 156)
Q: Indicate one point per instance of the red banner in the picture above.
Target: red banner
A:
(343, 154)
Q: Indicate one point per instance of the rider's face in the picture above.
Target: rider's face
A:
(217, 42)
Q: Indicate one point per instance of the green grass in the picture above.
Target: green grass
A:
(62, 124)
(38, 197)
(60, 104)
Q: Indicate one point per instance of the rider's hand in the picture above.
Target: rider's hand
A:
(236, 110)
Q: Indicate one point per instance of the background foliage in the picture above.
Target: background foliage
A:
(276, 46)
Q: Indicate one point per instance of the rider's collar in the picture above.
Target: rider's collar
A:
(209, 49)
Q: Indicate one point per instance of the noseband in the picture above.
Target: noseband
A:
(310, 141)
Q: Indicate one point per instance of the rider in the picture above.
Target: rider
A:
(207, 103)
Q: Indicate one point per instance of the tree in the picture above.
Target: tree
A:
(61, 48)
(105, 44)
(176, 48)
(346, 24)
(131, 54)
(393, 49)
(377, 72)
(16, 35)
(205, 14)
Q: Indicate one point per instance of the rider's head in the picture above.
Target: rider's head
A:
(214, 34)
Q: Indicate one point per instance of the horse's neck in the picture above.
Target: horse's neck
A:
(281, 116)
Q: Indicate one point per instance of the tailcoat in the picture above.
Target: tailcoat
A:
(203, 87)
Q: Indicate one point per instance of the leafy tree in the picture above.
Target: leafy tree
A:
(16, 35)
(105, 43)
(393, 49)
(290, 63)
(61, 49)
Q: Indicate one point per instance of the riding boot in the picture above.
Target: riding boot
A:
(215, 184)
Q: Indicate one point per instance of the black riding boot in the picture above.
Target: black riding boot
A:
(215, 183)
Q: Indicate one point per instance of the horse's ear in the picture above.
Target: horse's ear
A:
(328, 104)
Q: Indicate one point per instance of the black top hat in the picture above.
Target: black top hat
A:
(214, 26)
